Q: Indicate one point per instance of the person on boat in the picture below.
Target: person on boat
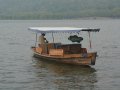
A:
(42, 39)
(42, 42)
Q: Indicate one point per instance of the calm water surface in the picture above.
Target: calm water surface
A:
(19, 70)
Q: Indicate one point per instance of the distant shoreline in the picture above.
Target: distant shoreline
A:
(81, 18)
(97, 18)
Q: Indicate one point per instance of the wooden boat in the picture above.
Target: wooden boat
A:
(72, 53)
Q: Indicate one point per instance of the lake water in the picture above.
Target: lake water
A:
(19, 70)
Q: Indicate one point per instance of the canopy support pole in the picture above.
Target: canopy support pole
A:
(53, 40)
(53, 37)
(90, 40)
(36, 40)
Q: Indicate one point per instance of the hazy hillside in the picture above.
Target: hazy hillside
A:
(58, 9)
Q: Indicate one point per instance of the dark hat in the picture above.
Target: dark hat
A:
(43, 34)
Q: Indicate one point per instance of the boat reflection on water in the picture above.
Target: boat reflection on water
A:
(67, 77)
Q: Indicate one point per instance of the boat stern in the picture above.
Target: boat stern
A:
(93, 58)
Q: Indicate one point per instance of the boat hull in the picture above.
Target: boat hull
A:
(88, 60)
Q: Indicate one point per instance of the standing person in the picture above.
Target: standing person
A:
(42, 43)
(42, 39)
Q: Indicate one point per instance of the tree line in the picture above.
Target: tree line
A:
(58, 9)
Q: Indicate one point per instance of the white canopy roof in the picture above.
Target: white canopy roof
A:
(59, 29)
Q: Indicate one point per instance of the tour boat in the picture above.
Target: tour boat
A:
(68, 53)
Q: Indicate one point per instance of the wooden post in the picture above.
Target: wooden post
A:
(36, 41)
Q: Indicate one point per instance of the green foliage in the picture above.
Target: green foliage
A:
(58, 9)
